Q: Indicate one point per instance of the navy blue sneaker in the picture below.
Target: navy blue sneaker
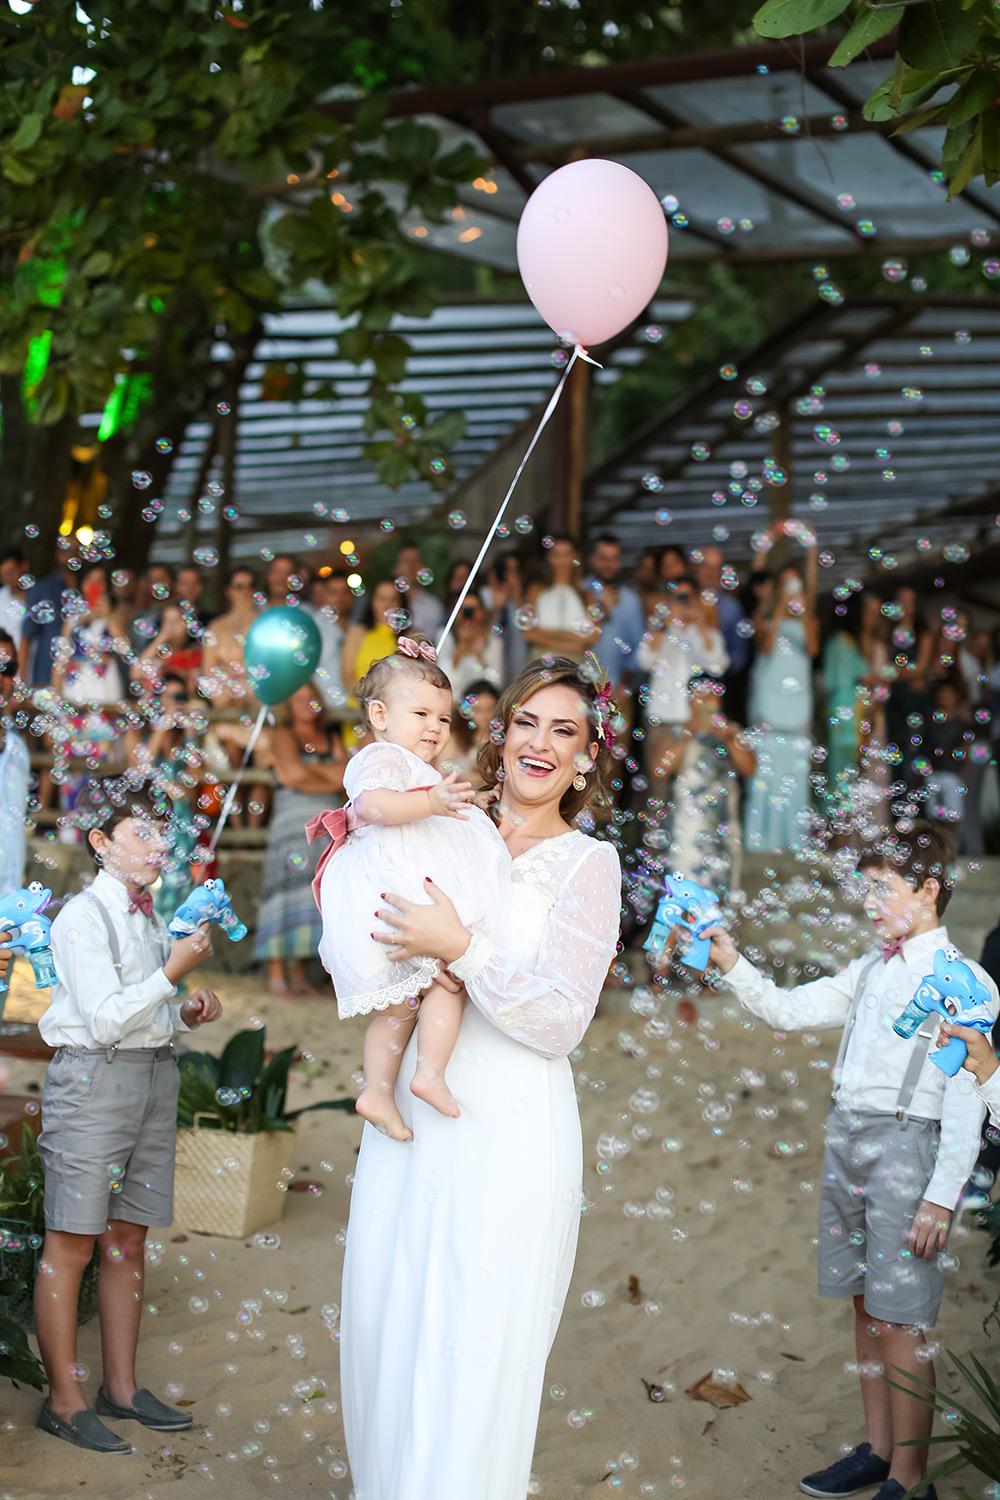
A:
(860, 1470)
(893, 1490)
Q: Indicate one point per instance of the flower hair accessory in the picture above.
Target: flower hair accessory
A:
(408, 647)
(605, 710)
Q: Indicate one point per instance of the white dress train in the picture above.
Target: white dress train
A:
(461, 1243)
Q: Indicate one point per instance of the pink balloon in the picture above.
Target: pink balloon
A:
(592, 249)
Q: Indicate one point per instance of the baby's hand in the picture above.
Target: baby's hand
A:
(449, 795)
(485, 797)
(982, 1060)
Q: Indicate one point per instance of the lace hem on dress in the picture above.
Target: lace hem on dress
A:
(408, 988)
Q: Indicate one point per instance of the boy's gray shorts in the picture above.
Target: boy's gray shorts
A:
(875, 1173)
(109, 1133)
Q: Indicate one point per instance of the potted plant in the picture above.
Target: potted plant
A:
(235, 1137)
(22, 1232)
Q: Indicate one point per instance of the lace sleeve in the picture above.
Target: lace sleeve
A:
(374, 766)
(550, 1007)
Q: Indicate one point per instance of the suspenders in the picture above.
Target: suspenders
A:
(159, 929)
(918, 1053)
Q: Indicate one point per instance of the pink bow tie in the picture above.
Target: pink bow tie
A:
(891, 949)
(337, 823)
(407, 647)
(140, 901)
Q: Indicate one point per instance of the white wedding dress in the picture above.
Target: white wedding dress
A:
(461, 1243)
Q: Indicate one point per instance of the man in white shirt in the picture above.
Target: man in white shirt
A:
(901, 1142)
(426, 611)
(13, 567)
(331, 610)
(684, 647)
(15, 772)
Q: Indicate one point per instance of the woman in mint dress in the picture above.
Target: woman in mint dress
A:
(780, 714)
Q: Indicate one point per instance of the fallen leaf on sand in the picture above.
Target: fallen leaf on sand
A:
(707, 1389)
(302, 1185)
(634, 1291)
(179, 1239)
(185, 1402)
(798, 1358)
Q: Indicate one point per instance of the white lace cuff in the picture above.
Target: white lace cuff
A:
(473, 959)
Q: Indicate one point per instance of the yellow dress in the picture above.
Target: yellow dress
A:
(378, 642)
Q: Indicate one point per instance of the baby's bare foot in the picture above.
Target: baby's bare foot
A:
(432, 1089)
(378, 1107)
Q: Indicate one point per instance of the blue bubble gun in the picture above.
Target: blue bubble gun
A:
(954, 992)
(21, 917)
(207, 903)
(686, 905)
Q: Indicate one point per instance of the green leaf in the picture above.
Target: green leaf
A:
(17, 171)
(975, 96)
(392, 465)
(970, 165)
(937, 34)
(26, 134)
(391, 353)
(242, 1060)
(931, 115)
(446, 429)
(957, 138)
(369, 117)
(461, 164)
(877, 105)
(868, 26)
(781, 18)
(97, 264)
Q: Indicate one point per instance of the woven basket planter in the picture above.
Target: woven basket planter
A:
(227, 1183)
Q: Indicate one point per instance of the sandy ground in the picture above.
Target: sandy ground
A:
(714, 1213)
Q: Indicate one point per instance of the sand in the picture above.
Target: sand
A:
(726, 1274)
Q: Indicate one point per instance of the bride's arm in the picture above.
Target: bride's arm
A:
(549, 1007)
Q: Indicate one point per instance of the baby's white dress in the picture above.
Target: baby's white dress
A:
(467, 858)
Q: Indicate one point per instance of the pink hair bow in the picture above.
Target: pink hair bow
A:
(337, 823)
(407, 647)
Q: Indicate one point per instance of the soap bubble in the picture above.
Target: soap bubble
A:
(142, 479)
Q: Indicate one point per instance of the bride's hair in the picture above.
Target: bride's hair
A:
(381, 677)
(549, 671)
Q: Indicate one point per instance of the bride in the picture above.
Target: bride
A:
(461, 1243)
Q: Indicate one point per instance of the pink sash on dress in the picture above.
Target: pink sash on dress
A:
(337, 823)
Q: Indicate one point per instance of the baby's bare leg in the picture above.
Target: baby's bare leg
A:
(437, 1033)
(385, 1040)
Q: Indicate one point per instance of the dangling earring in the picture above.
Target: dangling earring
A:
(580, 781)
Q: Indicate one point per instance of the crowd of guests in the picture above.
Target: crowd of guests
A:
(743, 718)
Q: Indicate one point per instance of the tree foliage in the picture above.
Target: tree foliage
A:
(168, 176)
(947, 70)
(166, 179)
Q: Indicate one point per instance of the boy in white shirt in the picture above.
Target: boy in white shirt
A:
(109, 1114)
(901, 1142)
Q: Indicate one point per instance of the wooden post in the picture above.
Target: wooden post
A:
(780, 499)
(569, 452)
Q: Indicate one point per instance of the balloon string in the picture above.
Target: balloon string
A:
(231, 794)
(578, 353)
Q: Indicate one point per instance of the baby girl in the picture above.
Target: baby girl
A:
(414, 824)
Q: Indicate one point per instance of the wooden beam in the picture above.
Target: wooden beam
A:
(566, 83)
(683, 137)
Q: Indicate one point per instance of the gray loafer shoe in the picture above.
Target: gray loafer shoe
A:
(145, 1409)
(84, 1430)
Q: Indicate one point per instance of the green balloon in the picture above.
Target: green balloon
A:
(282, 651)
